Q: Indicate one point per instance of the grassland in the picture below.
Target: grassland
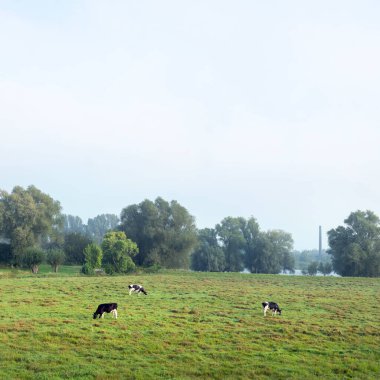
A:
(190, 326)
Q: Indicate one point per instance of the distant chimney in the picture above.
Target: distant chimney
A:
(320, 241)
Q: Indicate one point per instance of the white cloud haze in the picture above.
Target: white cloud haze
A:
(245, 108)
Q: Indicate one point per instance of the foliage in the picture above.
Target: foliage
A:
(73, 224)
(74, 246)
(164, 232)
(5, 253)
(304, 258)
(191, 326)
(325, 268)
(238, 243)
(29, 218)
(32, 258)
(87, 269)
(100, 225)
(312, 268)
(355, 249)
(55, 257)
(118, 251)
(209, 255)
(93, 256)
(231, 234)
(272, 253)
(95, 228)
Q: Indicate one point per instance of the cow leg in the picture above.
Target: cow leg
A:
(265, 310)
(115, 313)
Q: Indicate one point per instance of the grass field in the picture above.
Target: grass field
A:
(191, 325)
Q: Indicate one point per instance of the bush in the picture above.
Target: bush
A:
(32, 258)
(87, 269)
(55, 257)
(312, 268)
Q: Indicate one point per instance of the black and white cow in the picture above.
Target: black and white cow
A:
(106, 308)
(136, 288)
(271, 306)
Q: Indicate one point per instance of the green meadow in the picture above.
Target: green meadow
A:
(190, 326)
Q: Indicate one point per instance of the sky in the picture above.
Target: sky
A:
(244, 108)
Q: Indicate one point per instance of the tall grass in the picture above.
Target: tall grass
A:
(191, 325)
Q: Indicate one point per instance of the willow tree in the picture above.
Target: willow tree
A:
(355, 248)
(29, 218)
(164, 232)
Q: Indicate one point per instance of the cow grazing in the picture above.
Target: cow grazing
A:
(136, 288)
(271, 306)
(106, 308)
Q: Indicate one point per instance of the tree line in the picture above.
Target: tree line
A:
(162, 234)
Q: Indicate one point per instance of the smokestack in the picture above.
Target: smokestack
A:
(320, 241)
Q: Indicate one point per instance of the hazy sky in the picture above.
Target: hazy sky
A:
(268, 109)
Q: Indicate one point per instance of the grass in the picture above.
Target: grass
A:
(190, 326)
(44, 269)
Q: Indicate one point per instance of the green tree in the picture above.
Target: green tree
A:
(118, 251)
(29, 218)
(251, 233)
(74, 246)
(73, 224)
(231, 234)
(304, 258)
(355, 248)
(32, 258)
(208, 255)
(93, 256)
(281, 251)
(312, 268)
(165, 232)
(325, 268)
(268, 252)
(55, 257)
(262, 258)
(100, 225)
(5, 253)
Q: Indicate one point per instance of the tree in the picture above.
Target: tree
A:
(231, 234)
(5, 253)
(312, 268)
(118, 251)
(269, 252)
(55, 257)
(93, 258)
(73, 224)
(164, 232)
(74, 246)
(32, 258)
(281, 248)
(29, 218)
(98, 226)
(208, 255)
(304, 258)
(355, 248)
(325, 268)
(252, 236)
(243, 246)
